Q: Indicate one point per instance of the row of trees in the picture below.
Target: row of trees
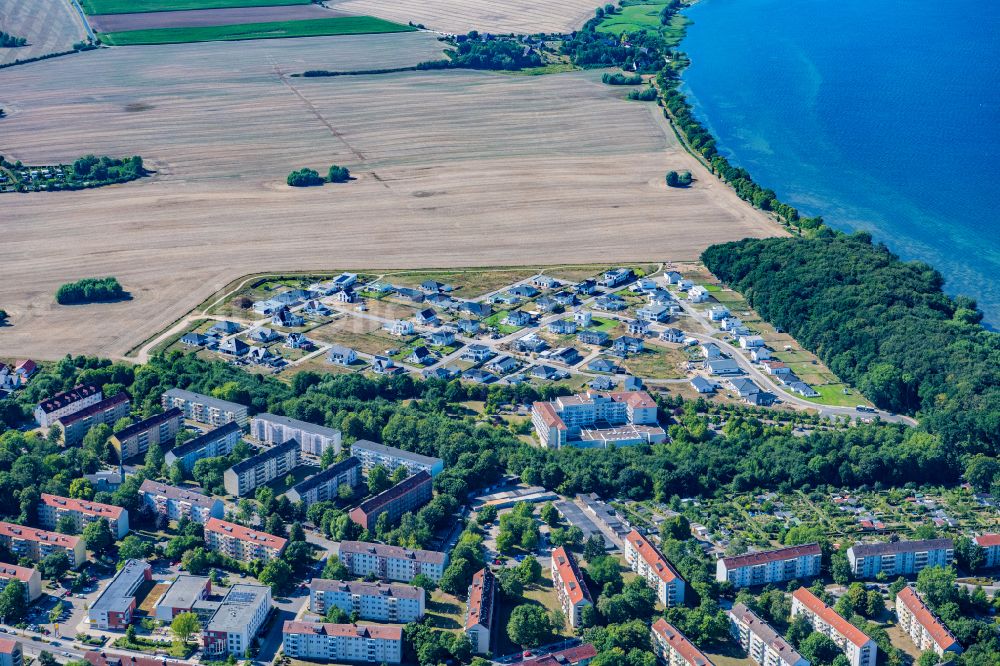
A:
(307, 177)
(492, 52)
(106, 170)
(90, 290)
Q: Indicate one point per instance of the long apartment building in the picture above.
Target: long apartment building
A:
(380, 602)
(859, 648)
(29, 576)
(672, 648)
(899, 558)
(246, 476)
(114, 609)
(313, 439)
(203, 408)
(406, 496)
(50, 410)
(107, 411)
(242, 543)
(325, 485)
(760, 641)
(38, 544)
(369, 643)
(990, 543)
(160, 429)
(52, 508)
(647, 561)
(372, 453)
(770, 566)
(238, 619)
(923, 627)
(391, 562)
(217, 442)
(480, 610)
(596, 419)
(571, 589)
(175, 503)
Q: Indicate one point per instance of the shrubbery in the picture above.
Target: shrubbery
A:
(475, 51)
(621, 79)
(647, 94)
(338, 174)
(679, 179)
(304, 177)
(90, 290)
(9, 41)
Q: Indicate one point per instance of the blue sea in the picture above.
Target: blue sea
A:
(879, 115)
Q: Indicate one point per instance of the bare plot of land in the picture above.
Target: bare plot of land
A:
(454, 169)
(50, 26)
(202, 17)
(460, 16)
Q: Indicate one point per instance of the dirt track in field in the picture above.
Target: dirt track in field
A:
(50, 26)
(208, 17)
(453, 169)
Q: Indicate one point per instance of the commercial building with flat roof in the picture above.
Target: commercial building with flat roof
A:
(381, 602)
(69, 402)
(246, 476)
(770, 566)
(647, 561)
(480, 610)
(160, 429)
(237, 621)
(369, 643)
(760, 641)
(242, 543)
(595, 419)
(175, 503)
(391, 562)
(203, 408)
(406, 496)
(313, 439)
(923, 627)
(182, 595)
(212, 444)
(51, 508)
(672, 648)
(859, 648)
(570, 587)
(107, 411)
(116, 605)
(372, 453)
(38, 544)
(899, 558)
(325, 485)
(29, 576)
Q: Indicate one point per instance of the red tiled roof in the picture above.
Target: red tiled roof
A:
(938, 632)
(635, 399)
(83, 506)
(481, 599)
(31, 534)
(987, 540)
(103, 658)
(7, 645)
(385, 631)
(8, 571)
(654, 558)
(830, 616)
(569, 573)
(549, 415)
(571, 656)
(680, 643)
(226, 528)
(27, 366)
(766, 556)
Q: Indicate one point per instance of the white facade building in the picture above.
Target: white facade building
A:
(859, 648)
(770, 566)
(381, 602)
(313, 439)
(370, 643)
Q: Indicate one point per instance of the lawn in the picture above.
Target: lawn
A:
(656, 363)
(540, 594)
(445, 611)
(467, 283)
(139, 6)
(833, 395)
(644, 15)
(340, 25)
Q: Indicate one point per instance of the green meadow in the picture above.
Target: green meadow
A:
(96, 7)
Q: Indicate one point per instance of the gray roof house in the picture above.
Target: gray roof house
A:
(723, 367)
(339, 355)
(702, 385)
(502, 365)
(524, 291)
(441, 338)
(477, 353)
(420, 356)
(477, 376)
(234, 347)
(287, 318)
(263, 334)
(225, 328)
(672, 335)
(517, 318)
(602, 365)
(426, 316)
(592, 337)
(193, 339)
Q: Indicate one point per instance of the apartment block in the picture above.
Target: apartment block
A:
(242, 543)
(570, 588)
(30, 577)
(50, 410)
(391, 562)
(761, 642)
(595, 419)
(990, 543)
(922, 626)
(115, 608)
(37, 544)
(325, 485)
(313, 439)
(52, 508)
(203, 408)
(182, 596)
(212, 444)
(770, 566)
(370, 643)
(479, 613)
(647, 561)
(159, 429)
(107, 411)
(371, 454)
(899, 558)
(246, 476)
(237, 621)
(380, 602)
(859, 648)
(406, 496)
(11, 653)
(175, 503)
(672, 648)
(578, 655)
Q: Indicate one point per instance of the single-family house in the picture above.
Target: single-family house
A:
(504, 298)
(760, 354)
(718, 312)
(293, 297)
(566, 355)
(653, 313)
(646, 284)
(702, 385)
(547, 372)
(583, 318)
(565, 298)
(775, 367)
(224, 328)
(637, 327)
(264, 356)
(340, 355)
(433, 286)
(660, 297)
(711, 351)
(586, 287)
(547, 304)
(478, 376)
(420, 356)
(544, 282)
(440, 301)
(698, 294)
(383, 365)
(730, 323)
(475, 309)
(412, 295)
(627, 344)
(346, 296)
(25, 368)
(267, 307)
(426, 317)
(751, 341)
(441, 338)
(592, 337)
(298, 341)
(263, 335)
(723, 367)
(379, 287)
(524, 291)
(615, 278)
(530, 343)
(234, 347)
(673, 277)
(468, 326)
(602, 383)
(400, 327)
(631, 383)
(316, 308)
(562, 327)
(287, 318)
(673, 335)
(345, 280)
(803, 389)
(517, 318)
(478, 353)
(193, 339)
(603, 365)
(610, 303)
(684, 284)
(502, 365)
(444, 373)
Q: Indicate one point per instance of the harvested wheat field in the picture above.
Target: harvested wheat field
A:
(454, 168)
(460, 16)
(50, 26)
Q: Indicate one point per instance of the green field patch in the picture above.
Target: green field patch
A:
(143, 6)
(635, 17)
(340, 25)
(834, 396)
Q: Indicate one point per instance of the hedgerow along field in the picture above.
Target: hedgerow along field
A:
(338, 25)
(141, 6)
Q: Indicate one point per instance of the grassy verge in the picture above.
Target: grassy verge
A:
(340, 25)
(143, 6)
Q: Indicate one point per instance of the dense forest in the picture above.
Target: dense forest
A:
(882, 324)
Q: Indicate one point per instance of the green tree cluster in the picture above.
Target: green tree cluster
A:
(90, 290)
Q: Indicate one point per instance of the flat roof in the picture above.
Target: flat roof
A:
(237, 609)
(264, 456)
(203, 440)
(331, 472)
(375, 447)
(184, 591)
(148, 424)
(295, 423)
(202, 399)
(119, 593)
